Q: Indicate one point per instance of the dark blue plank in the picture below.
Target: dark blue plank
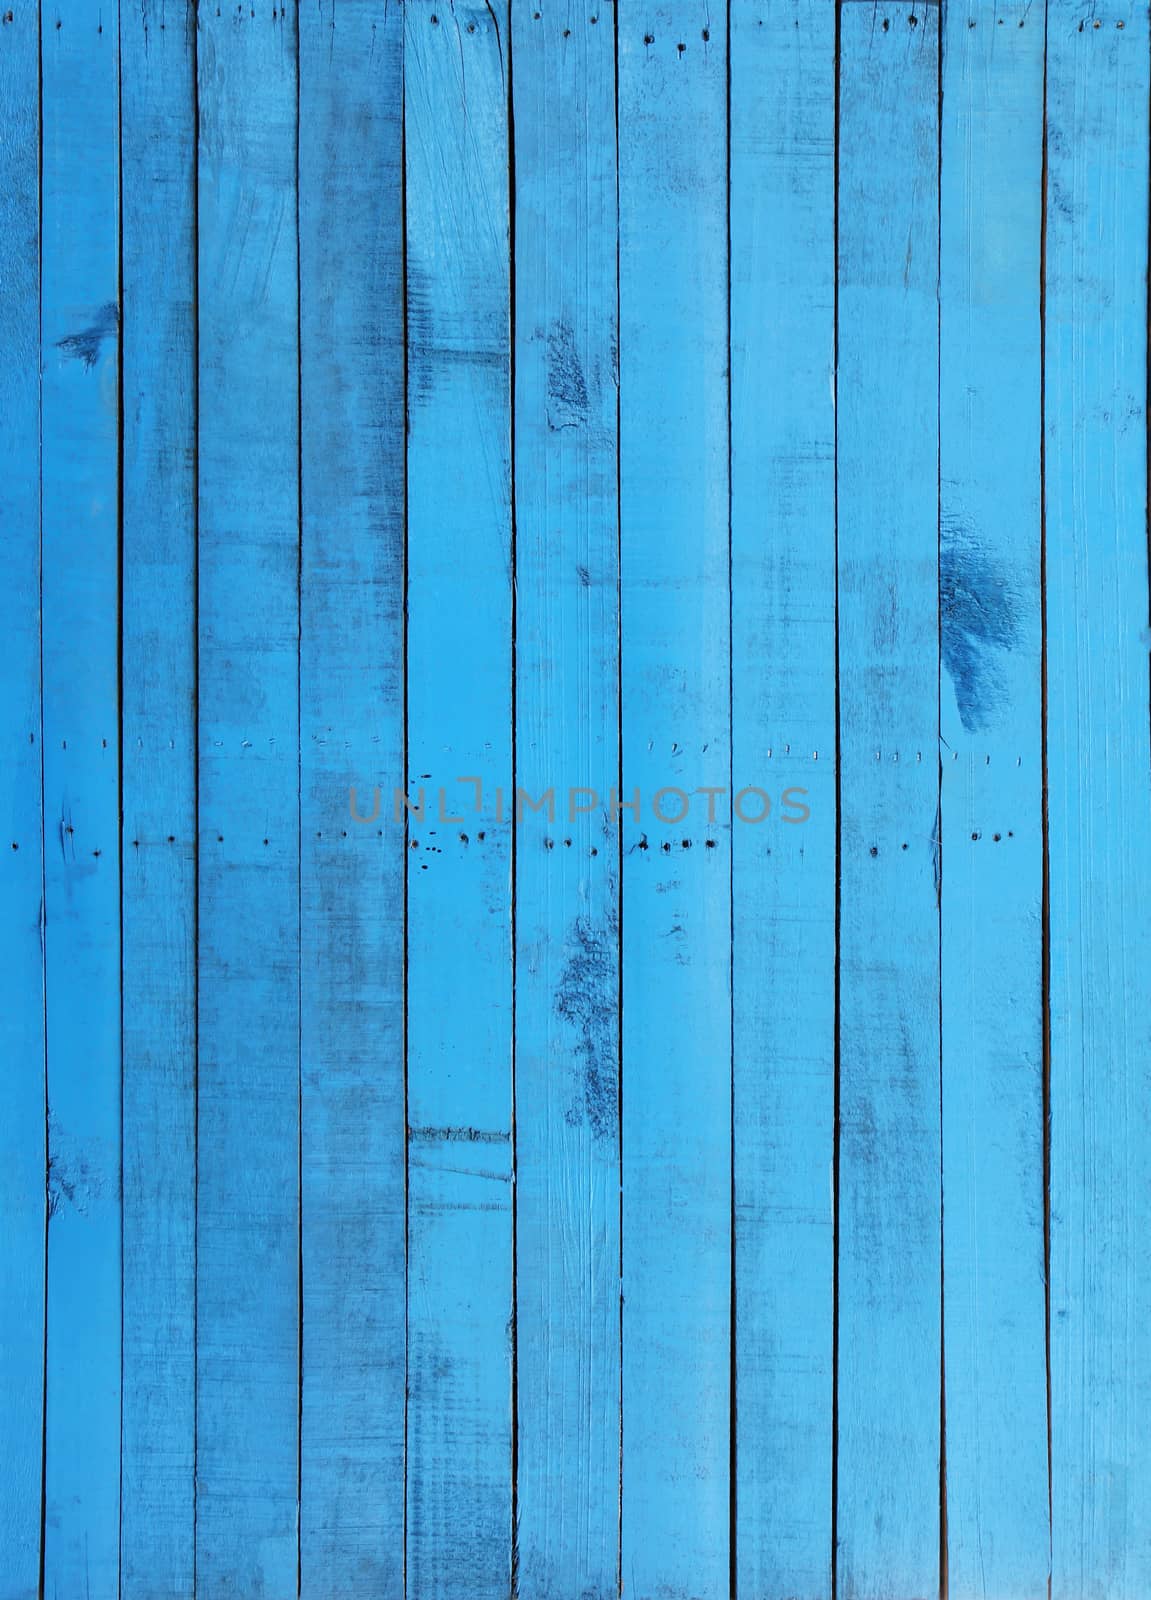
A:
(352, 874)
(248, 1218)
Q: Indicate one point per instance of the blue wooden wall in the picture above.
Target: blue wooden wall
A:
(574, 958)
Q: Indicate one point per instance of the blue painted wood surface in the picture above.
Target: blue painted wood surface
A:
(783, 738)
(23, 1150)
(1099, 788)
(428, 1169)
(158, 757)
(567, 865)
(352, 729)
(80, 493)
(675, 671)
(249, 944)
(887, 499)
(991, 727)
(459, 708)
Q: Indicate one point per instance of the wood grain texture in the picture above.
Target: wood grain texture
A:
(887, 479)
(675, 683)
(1098, 792)
(248, 1268)
(80, 324)
(567, 866)
(23, 1151)
(459, 707)
(352, 873)
(991, 722)
(158, 904)
(783, 739)
(574, 420)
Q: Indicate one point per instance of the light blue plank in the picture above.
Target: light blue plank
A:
(888, 1448)
(248, 1197)
(675, 674)
(567, 870)
(80, 412)
(783, 716)
(158, 105)
(1098, 797)
(22, 1146)
(352, 888)
(459, 1539)
(992, 820)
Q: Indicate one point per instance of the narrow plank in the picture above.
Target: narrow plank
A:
(783, 719)
(1099, 792)
(675, 677)
(352, 886)
(22, 1134)
(459, 993)
(991, 723)
(888, 1448)
(247, 1350)
(567, 869)
(80, 428)
(158, 147)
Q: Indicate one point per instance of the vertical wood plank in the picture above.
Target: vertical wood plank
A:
(567, 866)
(888, 1448)
(1098, 764)
(248, 1207)
(675, 676)
(783, 721)
(352, 888)
(158, 128)
(459, 710)
(80, 422)
(22, 1130)
(992, 820)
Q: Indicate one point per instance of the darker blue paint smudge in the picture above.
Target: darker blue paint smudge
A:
(567, 387)
(85, 345)
(979, 622)
(587, 999)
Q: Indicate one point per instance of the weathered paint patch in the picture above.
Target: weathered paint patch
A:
(457, 1136)
(587, 998)
(85, 345)
(435, 356)
(567, 387)
(978, 621)
(71, 1180)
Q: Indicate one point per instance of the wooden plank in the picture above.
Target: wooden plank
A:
(675, 676)
(460, 1239)
(783, 719)
(991, 723)
(352, 711)
(567, 868)
(22, 1126)
(80, 423)
(248, 1198)
(158, 146)
(888, 1448)
(1098, 764)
